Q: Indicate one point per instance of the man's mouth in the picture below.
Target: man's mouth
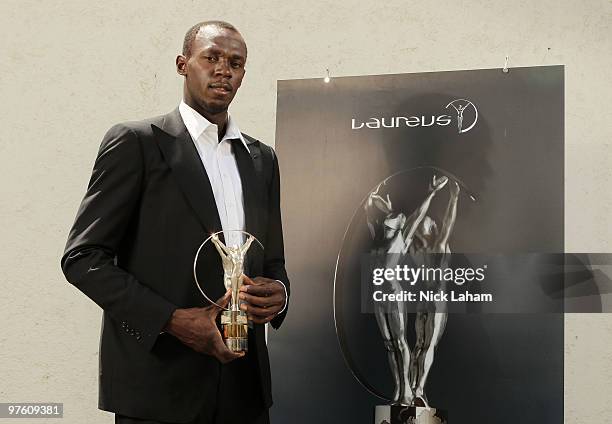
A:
(222, 88)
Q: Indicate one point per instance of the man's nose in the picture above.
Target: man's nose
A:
(223, 68)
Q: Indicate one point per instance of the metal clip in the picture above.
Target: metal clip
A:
(327, 77)
(505, 69)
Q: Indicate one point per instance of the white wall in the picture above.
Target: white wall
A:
(71, 69)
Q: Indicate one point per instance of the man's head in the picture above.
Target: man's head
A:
(213, 64)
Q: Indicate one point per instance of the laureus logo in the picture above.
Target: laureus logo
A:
(463, 110)
(461, 106)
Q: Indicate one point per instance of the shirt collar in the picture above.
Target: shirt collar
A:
(196, 124)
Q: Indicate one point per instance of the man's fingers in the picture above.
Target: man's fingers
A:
(229, 356)
(247, 280)
(257, 281)
(261, 320)
(222, 353)
(259, 311)
(264, 302)
(262, 289)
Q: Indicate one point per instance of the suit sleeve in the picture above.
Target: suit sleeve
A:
(90, 258)
(274, 261)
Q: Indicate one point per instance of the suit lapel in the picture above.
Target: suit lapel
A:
(180, 153)
(251, 195)
(250, 187)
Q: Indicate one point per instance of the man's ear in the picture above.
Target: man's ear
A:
(181, 65)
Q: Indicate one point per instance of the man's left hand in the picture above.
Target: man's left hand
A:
(264, 298)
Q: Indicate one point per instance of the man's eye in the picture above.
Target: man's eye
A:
(236, 65)
(211, 58)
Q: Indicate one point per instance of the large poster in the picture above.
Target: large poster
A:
(472, 160)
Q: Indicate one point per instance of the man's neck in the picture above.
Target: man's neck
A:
(220, 119)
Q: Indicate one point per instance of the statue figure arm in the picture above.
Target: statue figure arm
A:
(450, 216)
(246, 245)
(221, 248)
(413, 222)
(376, 204)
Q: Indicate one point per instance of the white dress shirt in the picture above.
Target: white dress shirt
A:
(221, 168)
(220, 165)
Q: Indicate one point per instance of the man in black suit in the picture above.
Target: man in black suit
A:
(159, 187)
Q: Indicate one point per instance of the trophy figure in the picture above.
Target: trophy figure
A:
(416, 238)
(233, 320)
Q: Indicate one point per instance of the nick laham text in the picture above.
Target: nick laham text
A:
(431, 296)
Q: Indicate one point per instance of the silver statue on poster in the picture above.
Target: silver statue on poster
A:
(416, 238)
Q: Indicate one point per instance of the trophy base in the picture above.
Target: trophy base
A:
(235, 330)
(237, 344)
(400, 414)
(234, 317)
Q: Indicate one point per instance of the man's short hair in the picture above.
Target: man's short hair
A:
(193, 31)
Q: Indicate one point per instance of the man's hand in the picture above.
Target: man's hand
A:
(197, 328)
(264, 298)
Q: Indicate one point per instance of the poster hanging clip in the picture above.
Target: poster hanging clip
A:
(327, 77)
(505, 69)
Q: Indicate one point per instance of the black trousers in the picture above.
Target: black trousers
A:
(239, 400)
(262, 419)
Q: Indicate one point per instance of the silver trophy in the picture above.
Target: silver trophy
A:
(233, 252)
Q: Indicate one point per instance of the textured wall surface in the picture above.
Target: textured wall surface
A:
(71, 69)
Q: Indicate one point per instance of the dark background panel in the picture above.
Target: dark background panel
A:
(488, 368)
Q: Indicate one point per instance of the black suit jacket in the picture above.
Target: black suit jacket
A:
(148, 207)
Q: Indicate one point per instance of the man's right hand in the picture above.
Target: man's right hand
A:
(197, 328)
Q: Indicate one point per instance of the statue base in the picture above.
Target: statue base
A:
(400, 414)
(235, 330)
